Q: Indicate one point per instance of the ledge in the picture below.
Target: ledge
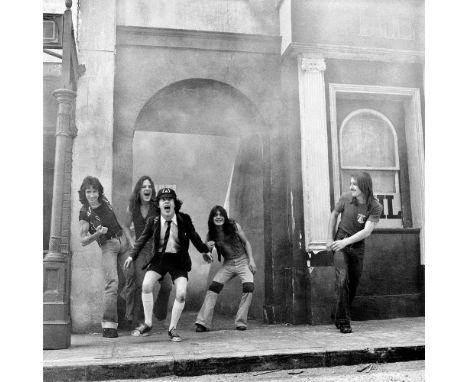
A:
(202, 40)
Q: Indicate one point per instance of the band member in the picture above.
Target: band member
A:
(141, 207)
(229, 239)
(172, 232)
(99, 223)
(360, 212)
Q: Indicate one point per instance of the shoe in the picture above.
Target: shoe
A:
(141, 331)
(109, 333)
(174, 336)
(200, 328)
(345, 328)
(241, 328)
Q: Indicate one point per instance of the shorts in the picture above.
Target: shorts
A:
(162, 269)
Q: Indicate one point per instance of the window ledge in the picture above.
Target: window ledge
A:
(396, 230)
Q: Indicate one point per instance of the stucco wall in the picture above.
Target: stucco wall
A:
(239, 16)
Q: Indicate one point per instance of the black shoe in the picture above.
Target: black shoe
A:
(241, 328)
(200, 328)
(142, 331)
(109, 333)
(345, 328)
(174, 336)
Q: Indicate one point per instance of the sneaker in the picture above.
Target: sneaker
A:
(241, 327)
(200, 328)
(142, 331)
(109, 333)
(174, 336)
(345, 328)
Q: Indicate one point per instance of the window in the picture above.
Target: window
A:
(368, 142)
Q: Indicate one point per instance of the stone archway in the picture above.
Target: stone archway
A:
(176, 140)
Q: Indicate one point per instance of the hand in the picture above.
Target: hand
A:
(210, 245)
(101, 230)
(329, 245)
(208, 258)
(253, 267)
(127, 262)
(339, 245)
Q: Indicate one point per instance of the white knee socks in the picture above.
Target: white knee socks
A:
(177, 309)
(147, 299)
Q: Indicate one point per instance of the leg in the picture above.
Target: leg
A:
(147, 295)
(341, 288)
(109, 267)
(129, 282)
(205, 315)
(179, 302)
(356, 262)
(162, 300)
(247, 279)
(138, 312)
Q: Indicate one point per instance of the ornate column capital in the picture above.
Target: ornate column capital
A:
(65, 115)
(309, 64)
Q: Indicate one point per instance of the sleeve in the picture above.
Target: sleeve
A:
(83, 215)
(143, 239)
(375, 212)
(194, 236)
(339, 206)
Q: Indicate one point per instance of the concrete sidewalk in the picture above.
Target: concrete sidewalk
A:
(222, 350)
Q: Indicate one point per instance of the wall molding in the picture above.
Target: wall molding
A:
(201, 40)
(359, 53)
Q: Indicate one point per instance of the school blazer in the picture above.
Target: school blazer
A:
(187, 233)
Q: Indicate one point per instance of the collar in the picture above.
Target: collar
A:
(174, 219)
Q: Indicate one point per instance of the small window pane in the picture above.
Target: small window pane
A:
(382, 181)
(367, 141)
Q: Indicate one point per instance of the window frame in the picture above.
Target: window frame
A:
(395, 169)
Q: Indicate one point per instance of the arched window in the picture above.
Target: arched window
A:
(368, 142)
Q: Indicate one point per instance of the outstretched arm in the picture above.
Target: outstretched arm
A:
(140, 243)
(197, 241)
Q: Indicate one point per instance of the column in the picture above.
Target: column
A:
(314, 151)
(92, 149)
(56, 314)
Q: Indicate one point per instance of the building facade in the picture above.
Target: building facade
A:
(264, 107)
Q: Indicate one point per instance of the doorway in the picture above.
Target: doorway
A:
(203, 138)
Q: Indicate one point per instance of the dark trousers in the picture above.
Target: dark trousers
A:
(348, 268)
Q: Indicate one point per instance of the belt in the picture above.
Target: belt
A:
(114, 235)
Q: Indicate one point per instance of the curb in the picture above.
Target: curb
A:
(219, 365)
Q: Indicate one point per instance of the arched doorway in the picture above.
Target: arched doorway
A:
(203, 137)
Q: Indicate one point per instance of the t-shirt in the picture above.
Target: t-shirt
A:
(102, 215)
(355, 215)
(139, 221)
(230, 246)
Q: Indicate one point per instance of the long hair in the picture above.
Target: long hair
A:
(364, 182)
(90, 181)
(228, 225)
(135, 199)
